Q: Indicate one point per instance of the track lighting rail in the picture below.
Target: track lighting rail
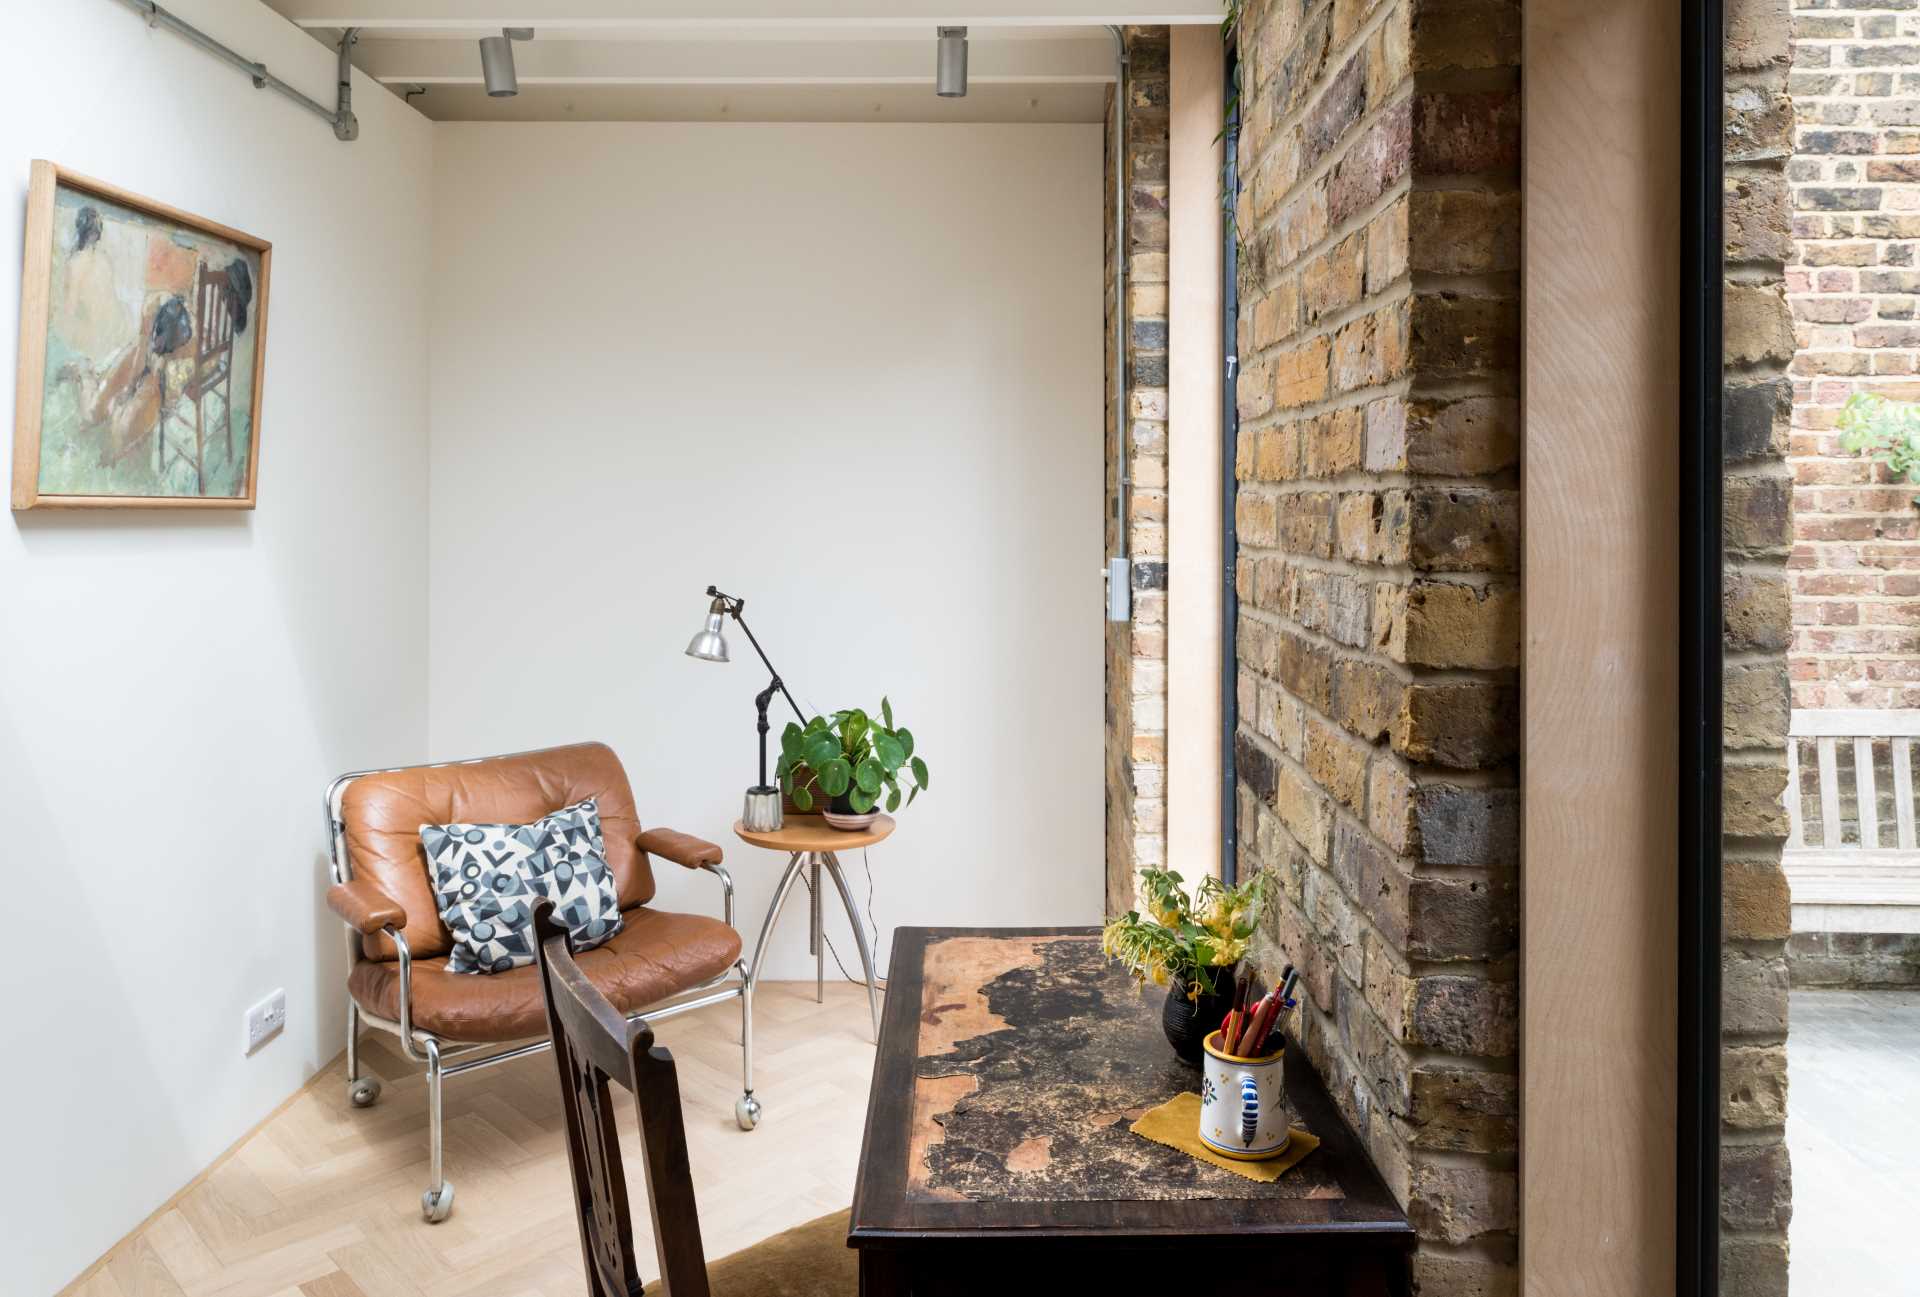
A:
(345, 125)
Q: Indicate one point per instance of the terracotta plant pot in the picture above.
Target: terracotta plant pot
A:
(792, 807)
(1189, 1022)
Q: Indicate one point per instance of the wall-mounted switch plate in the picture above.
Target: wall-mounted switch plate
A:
(1119, 589)
(265, 1020)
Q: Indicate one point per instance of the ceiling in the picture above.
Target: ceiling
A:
(744, 60)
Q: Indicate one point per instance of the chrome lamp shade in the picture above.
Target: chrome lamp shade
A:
(710, 645)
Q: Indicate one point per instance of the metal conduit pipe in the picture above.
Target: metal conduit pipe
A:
(341, 118)
(1119, 571)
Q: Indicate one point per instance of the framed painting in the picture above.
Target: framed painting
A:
(143, 343)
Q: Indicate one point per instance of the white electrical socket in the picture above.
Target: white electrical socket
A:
(265, 1020)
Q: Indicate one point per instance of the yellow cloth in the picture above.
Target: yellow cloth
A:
(1176, 1123)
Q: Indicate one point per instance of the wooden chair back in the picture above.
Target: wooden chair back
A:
(593, 1045)
(213, 315)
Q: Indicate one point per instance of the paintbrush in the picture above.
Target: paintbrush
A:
(1236, 1025)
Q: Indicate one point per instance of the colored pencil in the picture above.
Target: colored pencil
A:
(1262, 1026)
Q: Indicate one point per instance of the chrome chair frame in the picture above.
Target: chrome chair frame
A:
(446, 1058)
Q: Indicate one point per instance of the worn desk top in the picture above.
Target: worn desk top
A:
(1011, 1064)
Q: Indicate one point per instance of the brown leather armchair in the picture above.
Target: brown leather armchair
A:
(456, 1022)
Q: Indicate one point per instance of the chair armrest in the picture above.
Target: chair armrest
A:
(365, 907)
(680, 848)
(368, 910)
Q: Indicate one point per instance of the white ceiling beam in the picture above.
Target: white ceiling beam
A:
(447, 62)
(482, 15)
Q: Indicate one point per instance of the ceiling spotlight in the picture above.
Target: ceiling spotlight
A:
(950, 80)
(496, 61)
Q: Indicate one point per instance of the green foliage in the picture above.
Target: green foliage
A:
(850, 754)
(1229, 167)
(1887, 431)
(1186, 936)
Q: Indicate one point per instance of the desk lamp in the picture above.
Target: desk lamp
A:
(761, 813)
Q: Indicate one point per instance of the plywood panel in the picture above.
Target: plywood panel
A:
(1194, 360)
(1599, 935)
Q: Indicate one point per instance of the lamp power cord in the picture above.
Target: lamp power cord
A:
(873, 942)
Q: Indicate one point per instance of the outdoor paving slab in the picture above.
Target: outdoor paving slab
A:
(1853, 1071)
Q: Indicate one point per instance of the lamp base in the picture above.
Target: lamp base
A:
(762, 813)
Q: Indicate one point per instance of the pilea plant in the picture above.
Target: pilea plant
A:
(850, 756)
(1887, 431)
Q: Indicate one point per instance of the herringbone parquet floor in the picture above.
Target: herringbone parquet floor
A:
(324, 1199)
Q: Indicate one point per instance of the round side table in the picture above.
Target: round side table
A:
(811, 843)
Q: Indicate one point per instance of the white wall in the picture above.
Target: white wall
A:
(175, 689)
(851, 373)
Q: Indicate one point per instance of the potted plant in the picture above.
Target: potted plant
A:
(1888, 431)
(1191, 944)
(852, 762)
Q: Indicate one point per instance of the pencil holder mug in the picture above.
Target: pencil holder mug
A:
(1243, 1103)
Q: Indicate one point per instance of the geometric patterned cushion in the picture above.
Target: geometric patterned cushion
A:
(488, 877)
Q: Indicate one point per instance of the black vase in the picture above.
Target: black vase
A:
(1189, 1022)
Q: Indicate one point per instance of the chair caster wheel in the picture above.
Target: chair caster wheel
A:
(437, 1204)
(746, 1111)
(365, 1092)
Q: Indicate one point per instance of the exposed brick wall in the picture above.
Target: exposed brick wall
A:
(1137, 649)
(1756, 1190)
(1378, 518)
(1853, 283)
(1856, 961)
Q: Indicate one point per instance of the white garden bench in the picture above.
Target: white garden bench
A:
(1871, 883)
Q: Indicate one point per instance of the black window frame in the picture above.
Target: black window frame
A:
(1697, 1134)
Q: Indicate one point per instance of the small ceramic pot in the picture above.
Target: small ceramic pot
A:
(841, 815)
(1243, 1104)
(1187, 1022)
(850, 823)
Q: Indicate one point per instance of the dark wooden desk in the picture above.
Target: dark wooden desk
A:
(997, 1157)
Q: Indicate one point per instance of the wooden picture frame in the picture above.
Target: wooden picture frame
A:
(175, 333)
